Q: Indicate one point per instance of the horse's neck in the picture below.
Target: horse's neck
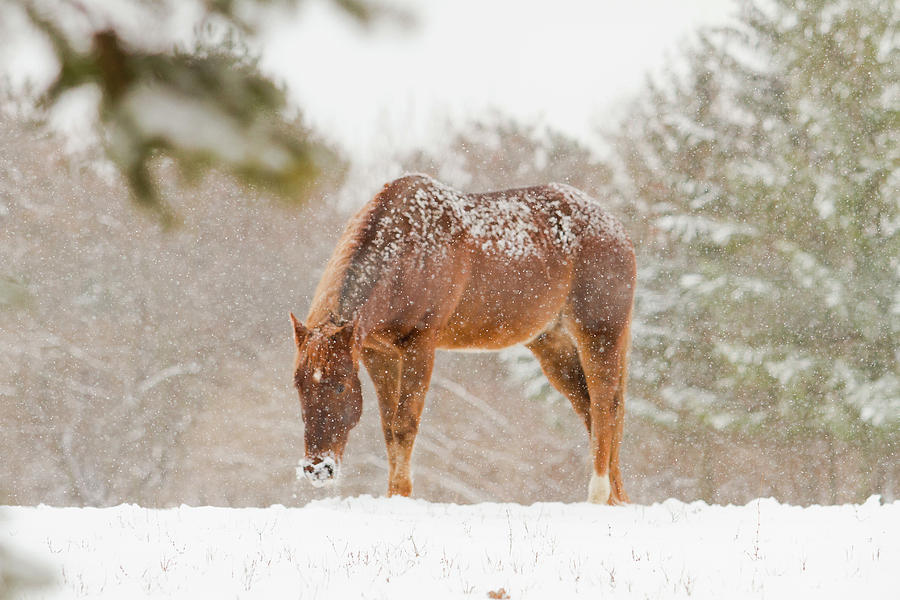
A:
(355, 275)
(326, 305)
(338, 296)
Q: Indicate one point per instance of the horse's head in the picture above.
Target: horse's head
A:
(326, 374)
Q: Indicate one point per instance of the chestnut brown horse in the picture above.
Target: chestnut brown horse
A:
(422, 267)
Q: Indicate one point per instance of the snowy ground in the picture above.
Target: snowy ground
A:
(411, 549)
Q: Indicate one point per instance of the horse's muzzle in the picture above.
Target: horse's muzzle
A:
(319, 472)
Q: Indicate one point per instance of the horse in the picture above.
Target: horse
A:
(423, 267)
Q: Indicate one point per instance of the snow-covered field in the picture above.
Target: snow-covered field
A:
(411, 549)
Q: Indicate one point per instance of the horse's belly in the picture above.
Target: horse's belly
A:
(498, 312)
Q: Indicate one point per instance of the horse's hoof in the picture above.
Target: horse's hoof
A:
(599, 490)
(403, 488)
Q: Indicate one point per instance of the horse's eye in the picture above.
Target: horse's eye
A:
(340, 388)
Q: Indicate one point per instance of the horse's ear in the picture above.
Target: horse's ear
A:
(300, 331)
(353, 336)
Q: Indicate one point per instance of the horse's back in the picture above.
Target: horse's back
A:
(506, 224)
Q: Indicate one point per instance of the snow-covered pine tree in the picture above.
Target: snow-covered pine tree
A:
(768, 172)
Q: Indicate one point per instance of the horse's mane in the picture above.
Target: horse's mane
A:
(331, 295)
(326, 301)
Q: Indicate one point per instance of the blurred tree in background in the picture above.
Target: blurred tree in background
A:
(768, 175)
(498, 152)
(202, 106)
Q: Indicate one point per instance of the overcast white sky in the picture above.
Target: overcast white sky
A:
(567, 63)
(386, 88)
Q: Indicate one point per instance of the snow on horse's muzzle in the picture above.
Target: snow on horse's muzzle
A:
(318, 472)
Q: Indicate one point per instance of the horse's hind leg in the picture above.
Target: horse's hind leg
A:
(603, 353)
(558, 356)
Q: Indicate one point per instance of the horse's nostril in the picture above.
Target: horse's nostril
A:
(319, 473)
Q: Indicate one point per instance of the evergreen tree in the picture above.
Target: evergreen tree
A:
(768, 298)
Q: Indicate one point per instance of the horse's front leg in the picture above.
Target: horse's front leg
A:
(402, 410)
(401, 375)
(383, 365)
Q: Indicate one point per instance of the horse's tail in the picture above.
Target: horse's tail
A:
(618, 489)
